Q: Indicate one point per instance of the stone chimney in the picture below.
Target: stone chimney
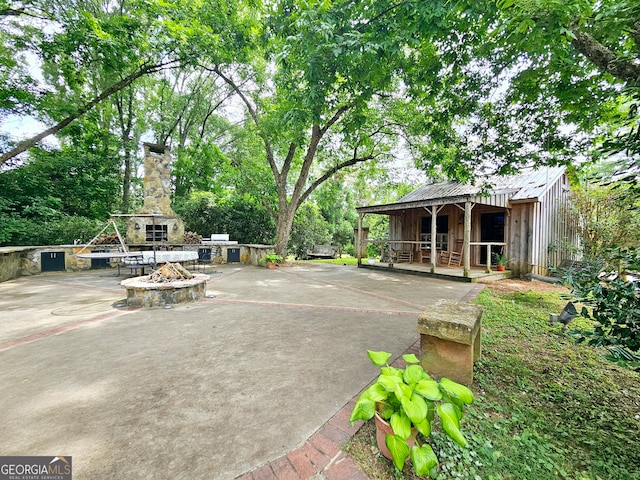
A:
(156, 222)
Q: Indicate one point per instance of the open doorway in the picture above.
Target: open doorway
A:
(491, 230)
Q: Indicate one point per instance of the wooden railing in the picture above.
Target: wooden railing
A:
(422, 245)
(488, 245)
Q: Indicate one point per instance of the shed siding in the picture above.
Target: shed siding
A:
(557, 239)
(519, 242)
(538, 231)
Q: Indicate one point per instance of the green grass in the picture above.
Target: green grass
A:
(344, 260)
(545, 408)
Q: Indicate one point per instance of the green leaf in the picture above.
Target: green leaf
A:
(410, 358)
(424, 427)
(415, 407)
(363, 410)
(456, 390)
(386, 411)
(402, 391)
(413, 374)
(377, 392)
(431, 411)
(389, 382)
(401, 425)
(429, 389)
(389, 371)
(450, 423)
(423, 459)
(378, 358)
(399, 450)
(505, 4)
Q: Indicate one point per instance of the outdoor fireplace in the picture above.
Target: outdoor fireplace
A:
(156, 223)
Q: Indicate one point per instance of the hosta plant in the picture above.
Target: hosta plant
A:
(409, 399)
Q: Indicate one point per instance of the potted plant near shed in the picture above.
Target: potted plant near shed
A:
(272, 259)
(407, 400)
(501, 261)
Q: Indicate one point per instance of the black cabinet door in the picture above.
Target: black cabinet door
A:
(100, 262)
(52, 261)
(233, 255)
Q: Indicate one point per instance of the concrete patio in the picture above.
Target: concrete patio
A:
(213, 389)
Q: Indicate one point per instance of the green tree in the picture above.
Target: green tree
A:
(56, 195)
(182, 108)
(309, 228)
(321, 91)
(116, 42)
(608, 216)
(245, 220)
(574, 63)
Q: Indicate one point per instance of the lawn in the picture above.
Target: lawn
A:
(545, 407)
(344, 260)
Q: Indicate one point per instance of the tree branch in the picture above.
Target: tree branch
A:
(326, 175)
(341, 111)
(240, 93)
(288, 161)
(17, 12)
(383, 13)
(30, 142)
(254, 116)
(604, 58)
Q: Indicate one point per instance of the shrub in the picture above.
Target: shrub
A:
(610, 294)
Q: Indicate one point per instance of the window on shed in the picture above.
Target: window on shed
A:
(442, 224)
(442, 231)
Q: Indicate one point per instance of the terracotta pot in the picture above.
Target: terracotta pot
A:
(271, 265)
(383, 428)
(500, 268)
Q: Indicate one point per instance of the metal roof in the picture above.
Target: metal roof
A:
(496, 190)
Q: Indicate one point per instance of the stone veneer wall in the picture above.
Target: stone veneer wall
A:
(147, 294)
(157, 200)
(24, 261)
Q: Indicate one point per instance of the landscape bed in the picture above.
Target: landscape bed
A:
(545, 407)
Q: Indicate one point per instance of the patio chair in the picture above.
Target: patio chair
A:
(452, 257)
(424, 255)
(405, 256)
(399, 256)
(204, 257)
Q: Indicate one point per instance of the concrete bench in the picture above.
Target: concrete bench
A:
(323, 251)
(450, 339)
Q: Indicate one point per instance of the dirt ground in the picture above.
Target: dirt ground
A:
(515, 285)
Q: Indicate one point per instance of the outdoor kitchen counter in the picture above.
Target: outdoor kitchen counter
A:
(148, 257)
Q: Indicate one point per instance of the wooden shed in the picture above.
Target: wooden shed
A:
(524, 217)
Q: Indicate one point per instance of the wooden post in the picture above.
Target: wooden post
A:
(434, 213)
(466, 244)
(359, 240)
(488, 269)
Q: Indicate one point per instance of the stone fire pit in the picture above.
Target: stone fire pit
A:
(168, 285)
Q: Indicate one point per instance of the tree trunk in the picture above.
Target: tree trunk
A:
(126, 183)
(126, 125)
(284, 224)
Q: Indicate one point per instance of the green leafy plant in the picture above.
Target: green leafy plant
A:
(273, 258)
(409, 399)
(613, 294)
(501, 259)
